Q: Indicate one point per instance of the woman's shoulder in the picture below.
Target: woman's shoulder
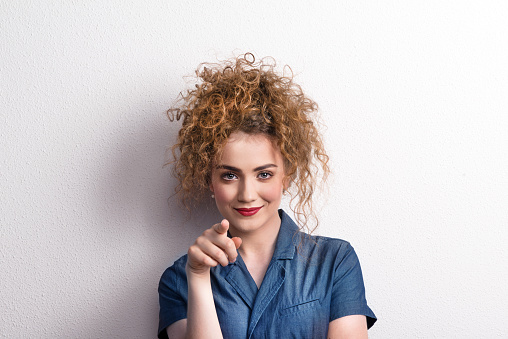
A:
(326, 245)
(322, 239)
(313, 243)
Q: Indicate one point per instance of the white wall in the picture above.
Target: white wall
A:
(414, 94)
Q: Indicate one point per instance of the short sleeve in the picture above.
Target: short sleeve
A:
(172, 296)
(348, 291)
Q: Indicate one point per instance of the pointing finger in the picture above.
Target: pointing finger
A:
(222, 227)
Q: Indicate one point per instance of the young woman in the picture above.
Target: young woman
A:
(249, 137)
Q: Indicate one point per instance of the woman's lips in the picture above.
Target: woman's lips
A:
(247, 212)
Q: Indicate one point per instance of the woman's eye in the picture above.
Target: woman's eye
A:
(264, 175)
(229, 176)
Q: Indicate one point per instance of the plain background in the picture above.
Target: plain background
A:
(414, 96)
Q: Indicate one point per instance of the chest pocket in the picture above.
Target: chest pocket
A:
(304, 319)
(310, 305)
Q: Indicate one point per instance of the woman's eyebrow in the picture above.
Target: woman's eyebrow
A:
(231, 168)
(260, 168)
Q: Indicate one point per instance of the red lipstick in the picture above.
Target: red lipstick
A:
(247, 212)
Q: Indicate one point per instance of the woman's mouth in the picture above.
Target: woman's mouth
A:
(247, 212)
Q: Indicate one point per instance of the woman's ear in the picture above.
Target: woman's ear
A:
(286, 182)
(211, 189)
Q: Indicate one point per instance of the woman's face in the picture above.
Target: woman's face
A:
(247, 183)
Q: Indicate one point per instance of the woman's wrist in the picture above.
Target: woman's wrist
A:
(198, 275)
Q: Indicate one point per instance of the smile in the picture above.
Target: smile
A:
(247, 212)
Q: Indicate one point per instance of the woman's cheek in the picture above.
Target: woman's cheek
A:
(271, 192)
(223, 194)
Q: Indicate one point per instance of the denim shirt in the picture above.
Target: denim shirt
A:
(310, 281)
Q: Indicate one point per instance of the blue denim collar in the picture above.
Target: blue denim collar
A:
(237, 274)
(286, 245)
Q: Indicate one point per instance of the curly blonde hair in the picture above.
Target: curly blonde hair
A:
(246, 95)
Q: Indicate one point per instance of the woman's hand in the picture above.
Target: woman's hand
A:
(212, 248)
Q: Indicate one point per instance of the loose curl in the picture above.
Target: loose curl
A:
(246, 95)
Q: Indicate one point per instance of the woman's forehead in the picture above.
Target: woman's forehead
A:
(243, 149)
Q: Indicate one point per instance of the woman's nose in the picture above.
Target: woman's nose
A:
(247, 191)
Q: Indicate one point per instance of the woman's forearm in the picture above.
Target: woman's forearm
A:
(210, 249)
(202, 321)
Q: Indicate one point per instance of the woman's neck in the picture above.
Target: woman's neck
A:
(257, 250)
(261, 242)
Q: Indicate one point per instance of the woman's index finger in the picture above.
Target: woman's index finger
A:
(223, 227)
